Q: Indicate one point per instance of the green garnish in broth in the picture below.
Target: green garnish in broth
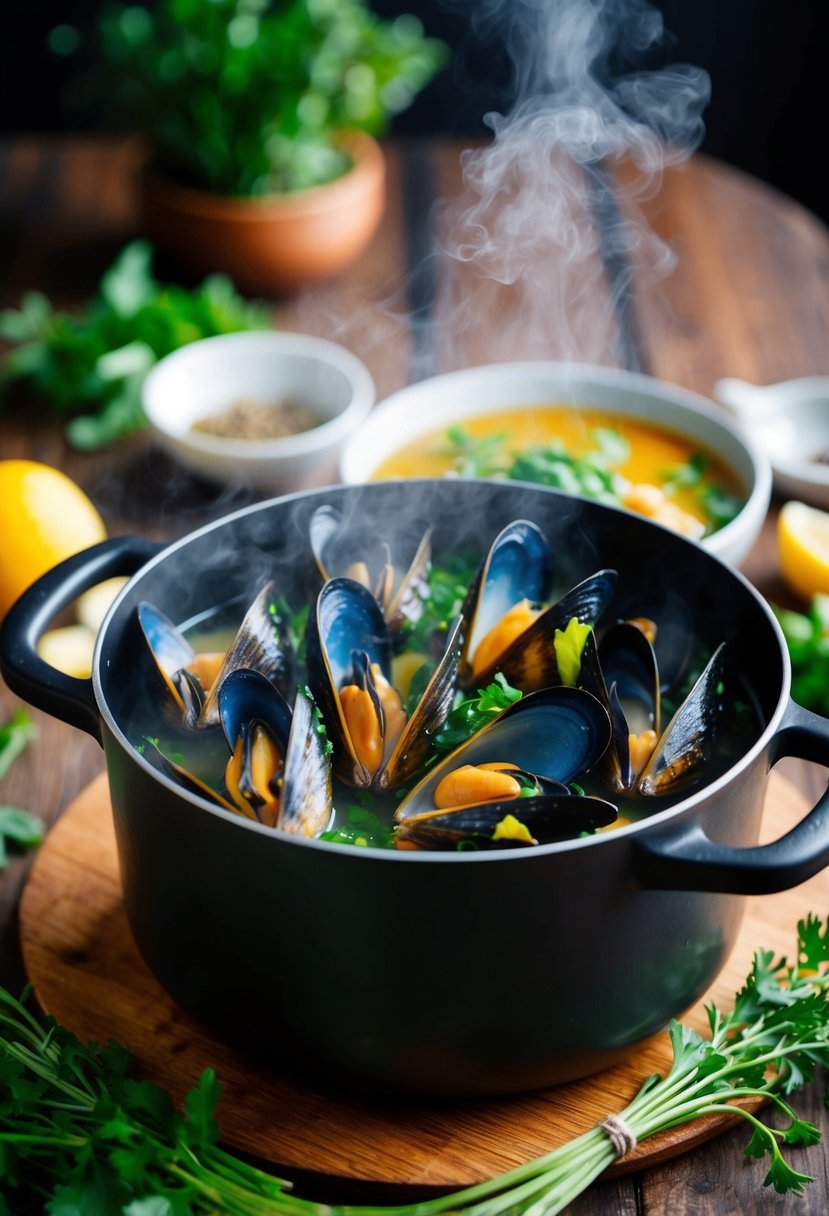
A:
(598, 454)
(471, 713)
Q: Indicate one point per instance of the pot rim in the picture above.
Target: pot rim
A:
(658, 819)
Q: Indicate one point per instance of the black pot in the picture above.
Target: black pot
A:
(457, 973)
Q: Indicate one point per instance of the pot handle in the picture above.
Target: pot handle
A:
(683, 858)
(26, 673)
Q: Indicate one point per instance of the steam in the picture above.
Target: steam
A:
(538, 253)
(539, 248)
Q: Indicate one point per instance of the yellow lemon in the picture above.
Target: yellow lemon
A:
(44, 517)
(803, 544)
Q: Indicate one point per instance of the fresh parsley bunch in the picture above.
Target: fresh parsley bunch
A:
(90, 368)
(77, 1128)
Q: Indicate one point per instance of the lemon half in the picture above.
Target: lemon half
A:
(803, 545)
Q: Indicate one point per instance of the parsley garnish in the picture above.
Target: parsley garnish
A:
(75, 1125)
(594, 474)
(362, 826)
(474, 712)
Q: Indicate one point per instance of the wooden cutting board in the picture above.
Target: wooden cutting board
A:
(87, 972)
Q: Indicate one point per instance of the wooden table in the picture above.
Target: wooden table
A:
(749, 297)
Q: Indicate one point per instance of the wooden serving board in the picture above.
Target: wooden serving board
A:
(87, 972)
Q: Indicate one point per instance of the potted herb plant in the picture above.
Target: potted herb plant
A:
(259, 115)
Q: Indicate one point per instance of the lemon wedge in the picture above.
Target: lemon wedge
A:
(803, 546)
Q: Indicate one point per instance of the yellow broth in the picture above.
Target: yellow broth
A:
(653, 453)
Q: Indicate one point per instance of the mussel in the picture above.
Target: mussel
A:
(278, 771)
(349, 671)
(643, 756)
(345, 549)
(193, 679)
(508, 628)
(280, 761)
(508, 784)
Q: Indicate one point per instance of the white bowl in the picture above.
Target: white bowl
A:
(207, 376)
(444, 400)
(790, 421)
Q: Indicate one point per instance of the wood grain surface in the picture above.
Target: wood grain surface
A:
(87, 972)
(748, 296)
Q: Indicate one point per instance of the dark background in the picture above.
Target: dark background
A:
(767, 60)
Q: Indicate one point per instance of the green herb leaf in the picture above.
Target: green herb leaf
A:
(14, 735)
(200, 1105)
(474, 712)
(785, 1179)
(101, 1142)
(91, 367)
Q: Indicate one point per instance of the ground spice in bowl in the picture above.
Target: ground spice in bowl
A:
(247, 418)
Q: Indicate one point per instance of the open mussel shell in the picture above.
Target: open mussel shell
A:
(260, 644)
(557, 733)
(547, 819)
(302, 783)
(347, 549)
(629, 662)
(415, 744)
(530, 663)
(171, 653)
(690, 737)
(346, 620)
(246, 696)
(193, 784)
(625, 677)
(518, 566)
(347, 630)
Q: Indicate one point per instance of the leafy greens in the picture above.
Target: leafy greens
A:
(75, 1126)
(807, 639)
(89, 369)
(594, 474)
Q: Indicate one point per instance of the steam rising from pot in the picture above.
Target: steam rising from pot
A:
(540, 247)
(535, 254)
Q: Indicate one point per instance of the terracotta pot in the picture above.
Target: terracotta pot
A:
(273, 242)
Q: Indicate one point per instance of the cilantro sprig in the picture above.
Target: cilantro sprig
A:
(77, 1127)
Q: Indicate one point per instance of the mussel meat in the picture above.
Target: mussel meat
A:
(349, 672)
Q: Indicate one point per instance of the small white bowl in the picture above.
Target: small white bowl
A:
(790, 421)
(206, 377)
(447, 399)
